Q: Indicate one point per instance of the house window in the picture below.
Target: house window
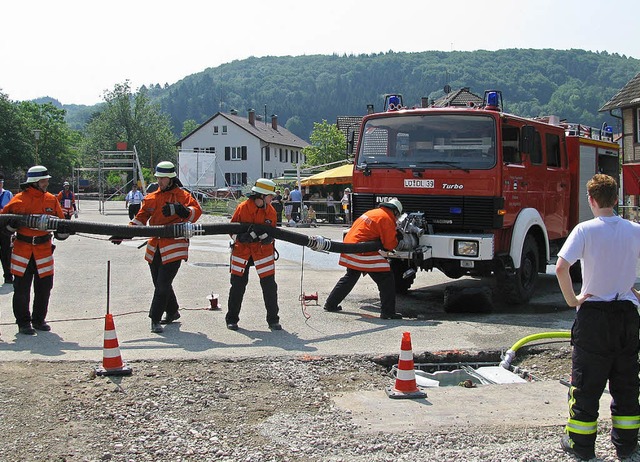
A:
(224, 129)
(281, 156)
(235, 153)
(236, 179)
(286, 155)
(210, 150)
(638, 125)
(267, 154)
(215, 129)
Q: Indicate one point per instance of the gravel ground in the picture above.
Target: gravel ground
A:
(266, 409)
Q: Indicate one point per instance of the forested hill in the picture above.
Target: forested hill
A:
(572, 84)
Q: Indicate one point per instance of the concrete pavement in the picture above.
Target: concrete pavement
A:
(79, 301)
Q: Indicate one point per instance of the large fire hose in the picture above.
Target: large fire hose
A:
(186, 230)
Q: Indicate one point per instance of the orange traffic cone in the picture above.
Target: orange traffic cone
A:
(405, 386)
(111, 360)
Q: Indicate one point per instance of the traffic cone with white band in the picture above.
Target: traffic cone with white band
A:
(405, 386)
(111, 360)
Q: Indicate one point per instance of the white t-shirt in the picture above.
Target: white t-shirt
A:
(608, 249)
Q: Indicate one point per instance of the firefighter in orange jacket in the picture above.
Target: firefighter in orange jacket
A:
(67, 201)
(169, 204)
(251, 249)
(379, 223)
(32, 255)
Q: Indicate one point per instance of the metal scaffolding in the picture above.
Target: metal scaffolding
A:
(123, 161)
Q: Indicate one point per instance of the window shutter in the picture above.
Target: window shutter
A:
(227, 179)
(227, 153)
(244, 153)
(267, 154)
(244, 178)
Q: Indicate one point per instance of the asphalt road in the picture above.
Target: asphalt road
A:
(79, 303)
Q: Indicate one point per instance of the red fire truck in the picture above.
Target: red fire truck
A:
(485, 193)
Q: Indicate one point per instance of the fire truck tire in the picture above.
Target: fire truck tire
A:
(519, 287)
(398, 267)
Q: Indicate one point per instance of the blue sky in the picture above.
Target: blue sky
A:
(74, 50)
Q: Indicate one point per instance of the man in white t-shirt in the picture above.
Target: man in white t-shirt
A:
(133, 200)
(605, 331)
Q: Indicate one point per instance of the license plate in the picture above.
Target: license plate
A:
(419, 183)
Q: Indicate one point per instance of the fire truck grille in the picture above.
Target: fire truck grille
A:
(450, 213)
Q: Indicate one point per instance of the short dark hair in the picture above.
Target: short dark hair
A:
(603, 189)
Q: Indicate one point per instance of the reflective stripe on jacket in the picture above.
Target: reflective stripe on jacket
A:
(262, 254)
(32, 201)
(171, 249)
(375, 224)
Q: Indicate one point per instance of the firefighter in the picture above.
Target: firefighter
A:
(68, 201)
(32, 255)
(379, 223)
(605, 330)
(169, 204)
(248, 249)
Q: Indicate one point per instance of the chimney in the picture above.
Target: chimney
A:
(274, 121)
(252, 117)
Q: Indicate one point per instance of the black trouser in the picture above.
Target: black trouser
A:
(22, 296)
(383, 279)
(164, 298)
(236, 294)
(295, 211)
(278, 206)
(5, 255)
(605, 347)
(133, 210)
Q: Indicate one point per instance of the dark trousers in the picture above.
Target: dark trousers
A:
(278, 206)
(236, 294)
(22, 296)
(133, 210)
(5, 255)
(605, 347)
(164, 298)
(384, 280)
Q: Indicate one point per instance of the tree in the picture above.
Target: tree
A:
(328, 144)
(130, 117)
(188, 126)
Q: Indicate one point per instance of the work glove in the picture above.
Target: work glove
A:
(265, 239)
(244, 238)
(117, 240)
(11, 227)
(60, 236)
(175, 208)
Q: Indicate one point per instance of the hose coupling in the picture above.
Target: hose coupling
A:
(42, 222)
(507, 358)
(319, 243)
(187, 230)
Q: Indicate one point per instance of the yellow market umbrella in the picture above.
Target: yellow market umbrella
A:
(338, 175)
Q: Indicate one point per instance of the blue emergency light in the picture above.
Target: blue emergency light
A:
(492, 99)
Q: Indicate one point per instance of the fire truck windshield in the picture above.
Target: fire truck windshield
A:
(434, 141)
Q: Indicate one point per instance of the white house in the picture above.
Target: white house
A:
(231, 150)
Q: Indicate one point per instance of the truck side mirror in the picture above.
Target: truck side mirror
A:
(527, 135)
(351, 136)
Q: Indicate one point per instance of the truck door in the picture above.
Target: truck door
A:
(556, 202)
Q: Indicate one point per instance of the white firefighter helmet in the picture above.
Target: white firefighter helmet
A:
(66, 183)
(37, 173)
(264, 186)
(393, 204)
(165, 169)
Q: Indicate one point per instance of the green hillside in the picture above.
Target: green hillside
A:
(301, 90)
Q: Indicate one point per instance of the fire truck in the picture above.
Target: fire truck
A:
(485, 193)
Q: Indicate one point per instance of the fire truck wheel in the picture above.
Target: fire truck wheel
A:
(519, 287)
(399, 267)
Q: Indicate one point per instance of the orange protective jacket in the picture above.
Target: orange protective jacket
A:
(263, 258)
(375, 224)
(33, 201)
(171, 249)
(67, 201)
